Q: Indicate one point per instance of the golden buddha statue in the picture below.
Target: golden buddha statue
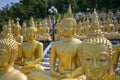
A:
(80, 31)
(58, 34)
(39, 29)
(17, 36)
(8, 50)
(43, 31)
(109, 25)
(66, 52)
(31, 53)
(96, 55)
(23, 31)
(86, 26)
(110, 28)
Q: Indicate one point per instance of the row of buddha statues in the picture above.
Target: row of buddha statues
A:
(101, 14)
(94, 58)
(110, 25)
(20, 32)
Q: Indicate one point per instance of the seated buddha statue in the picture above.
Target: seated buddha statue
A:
(86, 26)
(23, 31)
(58, 34)
(96, 56)
(8, 50)
(17, 36)
(44, 32)
(80, 31)
(109, 25)
(66, 52)
(31, 53)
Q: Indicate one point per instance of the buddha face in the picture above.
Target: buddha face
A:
(31, 34)
(95, 61)
(68, 30)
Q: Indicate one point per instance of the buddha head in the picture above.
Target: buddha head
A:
(32, 30)
(68, 24)
(8, 48)
(31, 33)
(96, 56)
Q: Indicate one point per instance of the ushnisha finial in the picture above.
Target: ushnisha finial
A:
(68, 18)
(32, 23)
(69, 13)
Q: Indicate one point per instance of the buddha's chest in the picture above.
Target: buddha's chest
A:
(66, 50)
(31, 47)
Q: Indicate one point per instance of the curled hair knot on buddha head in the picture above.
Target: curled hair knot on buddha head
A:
(8, 43)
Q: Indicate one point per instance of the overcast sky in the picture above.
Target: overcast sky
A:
(5, 2)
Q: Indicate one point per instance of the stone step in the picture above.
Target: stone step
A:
(47, 59)
(46, 64)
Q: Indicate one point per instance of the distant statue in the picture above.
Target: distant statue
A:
(17, 36)
(8, 52)
(23, 31)
(58, 33)
(43, 32)
(86, 26)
